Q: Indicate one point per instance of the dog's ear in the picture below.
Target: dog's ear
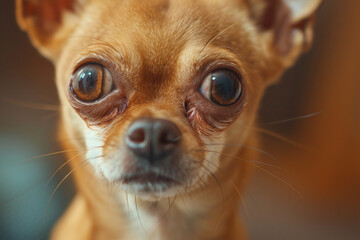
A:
(48, 22)
(287, 25)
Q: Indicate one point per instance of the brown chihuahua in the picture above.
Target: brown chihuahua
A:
(158, 97)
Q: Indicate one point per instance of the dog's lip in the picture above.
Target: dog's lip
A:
(146, 178)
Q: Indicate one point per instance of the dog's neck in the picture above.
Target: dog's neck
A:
(211, 212)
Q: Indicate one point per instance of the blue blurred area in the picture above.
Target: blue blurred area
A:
(25, 190)
(26, 132)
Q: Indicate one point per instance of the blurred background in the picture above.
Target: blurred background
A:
(309, 123)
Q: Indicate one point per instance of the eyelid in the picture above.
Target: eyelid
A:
(207, 67)
(103, 57)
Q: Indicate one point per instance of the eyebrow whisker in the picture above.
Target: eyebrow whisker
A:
(214, 38)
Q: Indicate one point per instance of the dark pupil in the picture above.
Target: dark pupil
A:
(224, 88)
(88, 80)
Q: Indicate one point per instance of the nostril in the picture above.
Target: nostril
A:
(169, 138)
(167, 133)
(137, 135)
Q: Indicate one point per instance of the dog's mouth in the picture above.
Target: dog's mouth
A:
(152, 178)
(149, 182)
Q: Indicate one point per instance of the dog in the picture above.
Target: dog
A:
(158, 97)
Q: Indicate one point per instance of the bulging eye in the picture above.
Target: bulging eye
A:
(222, 87)
(91, 82)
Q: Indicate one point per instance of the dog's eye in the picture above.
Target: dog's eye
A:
(91, 82)
(222, 87)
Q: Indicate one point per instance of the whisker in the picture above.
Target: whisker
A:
(62, 166)
(171, 205)
(214, 38)
(138, 215)
(206, 185)
(22, 192)
(50, 116)
(32, 105)
(56, 188)
(218, 183)
(127, 203)
(179, 192)
(167, 213)
(282, 138)
(278, 136)
(221, 190)
(51, 154)
(241, 198)
(242, 159)
(188, 193)
(293, 119)
(59, 152)
(68, 161)
(264, 170)
(282, 180)
(64, 178)
(246, 146)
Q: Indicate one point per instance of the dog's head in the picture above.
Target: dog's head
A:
(154, 90)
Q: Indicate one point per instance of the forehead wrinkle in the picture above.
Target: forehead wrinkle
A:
(158, 50)
(123, 60)
(104, 52)
(162, 44)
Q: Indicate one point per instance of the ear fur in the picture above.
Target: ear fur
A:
(287, 25)
(47, 23)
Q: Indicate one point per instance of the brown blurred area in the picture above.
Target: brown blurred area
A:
(328, 79)
(309, 123)
(334, 166)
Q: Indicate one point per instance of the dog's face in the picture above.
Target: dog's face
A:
(155, 90)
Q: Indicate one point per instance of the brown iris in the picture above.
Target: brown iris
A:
(222, 87)
(87, 83)
(225, 88)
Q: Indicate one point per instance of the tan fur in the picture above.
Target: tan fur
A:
(158, 49)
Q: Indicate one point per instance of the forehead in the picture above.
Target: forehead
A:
(152, 38)
(160, 27)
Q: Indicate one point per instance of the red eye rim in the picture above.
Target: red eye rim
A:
(210, 117)
(111, 104)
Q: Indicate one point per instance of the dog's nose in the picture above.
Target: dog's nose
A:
(153, 139)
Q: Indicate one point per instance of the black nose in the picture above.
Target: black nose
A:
(153, 139)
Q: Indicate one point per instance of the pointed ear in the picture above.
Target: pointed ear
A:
(47, 22)
(287, 25)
